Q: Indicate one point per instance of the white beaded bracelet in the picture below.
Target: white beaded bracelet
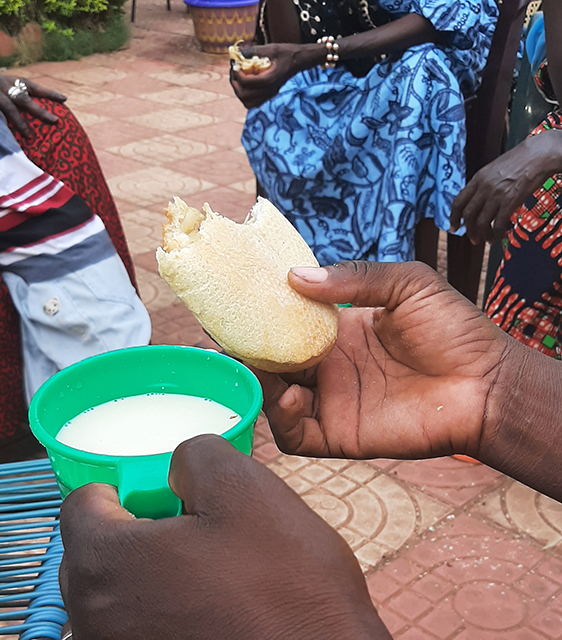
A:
(332, 48)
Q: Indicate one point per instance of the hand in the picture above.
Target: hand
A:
(249, 561)
(410, 378)
(254, 90)
(10, 107)
(487, 203)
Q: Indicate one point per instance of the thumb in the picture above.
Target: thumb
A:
(208, 473)
(365, 284)
(87, 509)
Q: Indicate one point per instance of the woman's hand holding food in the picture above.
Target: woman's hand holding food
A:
(410, 375)
(286, 60)
(16, 95)
(487, 203)
(249, 560)
(418, 371)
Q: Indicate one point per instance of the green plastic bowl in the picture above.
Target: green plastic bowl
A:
(142, 481)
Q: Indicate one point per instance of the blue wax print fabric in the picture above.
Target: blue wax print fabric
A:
(356, 163)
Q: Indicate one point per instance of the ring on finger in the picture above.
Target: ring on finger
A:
(67, 635)
(17, 89)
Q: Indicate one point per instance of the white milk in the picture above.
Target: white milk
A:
(146, 424)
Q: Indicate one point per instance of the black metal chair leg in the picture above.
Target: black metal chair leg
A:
(133, 8)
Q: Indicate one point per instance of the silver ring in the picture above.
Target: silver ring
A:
(67, 636)
(17, 89)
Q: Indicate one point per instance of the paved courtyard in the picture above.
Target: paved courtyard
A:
(450, 549)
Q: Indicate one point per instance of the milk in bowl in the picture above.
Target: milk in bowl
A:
(145, 424)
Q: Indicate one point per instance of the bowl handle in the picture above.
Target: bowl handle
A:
(143, 487)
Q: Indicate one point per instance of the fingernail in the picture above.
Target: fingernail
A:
(288, 399)
(310, 274)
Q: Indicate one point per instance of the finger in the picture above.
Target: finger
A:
(254, 80)
(483, 224)
(66, 633)
(471, 213)
(63, 578)
(88, 508)
(366, 284)
(293, 424)
(460, 202)
(273, 386)
(38, 91)
(207, 470)
(25, 103)
(502, 221)
(9, 109)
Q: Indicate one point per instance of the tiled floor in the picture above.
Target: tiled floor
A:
(450, 549)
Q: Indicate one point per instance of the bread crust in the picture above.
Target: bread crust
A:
(233, 277)
(253, 66)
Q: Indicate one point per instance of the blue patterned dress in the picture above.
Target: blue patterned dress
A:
(355, 163)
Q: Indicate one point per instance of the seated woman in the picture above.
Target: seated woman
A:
(70, 293)
(522, 191)
(357, 130)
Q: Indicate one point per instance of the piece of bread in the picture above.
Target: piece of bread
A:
(233, 277)
(253, 65)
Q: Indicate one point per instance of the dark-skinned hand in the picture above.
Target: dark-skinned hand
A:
(249, 560)
(24, 102)
(254, 90)
(410, 375)
(488, 201)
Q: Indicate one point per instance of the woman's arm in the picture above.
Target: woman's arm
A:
(289, 58)
(553, 26)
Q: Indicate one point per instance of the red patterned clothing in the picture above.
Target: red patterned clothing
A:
(65, 152)
(526, 299)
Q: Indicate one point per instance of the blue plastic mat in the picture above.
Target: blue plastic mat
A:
(31, 606)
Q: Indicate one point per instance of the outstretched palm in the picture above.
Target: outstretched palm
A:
(409, 378)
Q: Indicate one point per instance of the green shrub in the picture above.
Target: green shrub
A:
(60, 15)
(66, 44)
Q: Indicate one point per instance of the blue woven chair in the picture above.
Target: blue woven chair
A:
(31, 607)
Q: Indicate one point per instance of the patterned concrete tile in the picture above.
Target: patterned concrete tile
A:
(221, 167)
(155, 186)
(89, 76)
(517, 507)
(491, 587)
(535, 514)
(182, 96)
(155, 293)
(452, 480)
(79, 97)
(226, 201)
(174, 324)
(88, 119)
(222, 134)
(162, 149)
(228, 109)
(136, 84)
(248, 186)
(126, 107)
(187, 79)
(116, 132)
(173, 119)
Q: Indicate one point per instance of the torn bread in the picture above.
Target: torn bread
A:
(233, 278)
(253, 65)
